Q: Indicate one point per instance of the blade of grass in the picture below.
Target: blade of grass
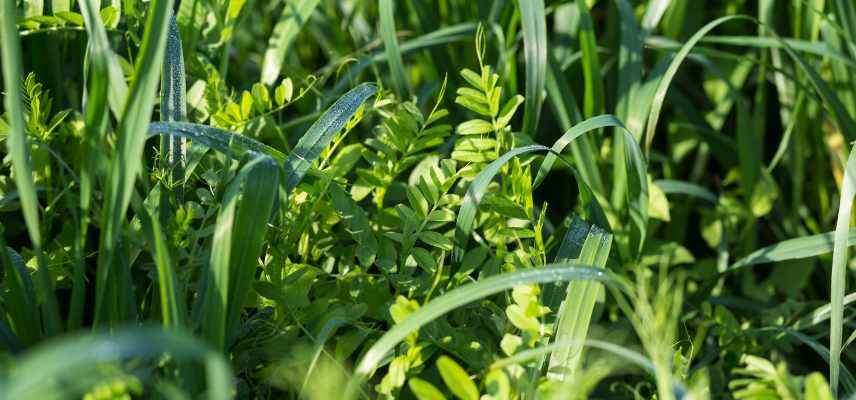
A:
(533, 21)
(99, 49)
(567, 112)
(814, 48)
(319, 135)
(576, 311)
(462, 296)
(654, 13)
(445, 35)
(173, 105)
(687, 188)
(171, 306)
(593, 97)
(295, 13)
(629, 80)
(238, 239)
(18, 147)
(802, 247)
(229, 143)
(72, 359)
(839, 268)
(390, 43)
(664, 82)
(103, 94)
(633, 162)
(821, 314)
(126, 162)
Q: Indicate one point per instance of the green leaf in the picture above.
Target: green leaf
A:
(424, 390)
(456, 379)
(295, 13)
(284, 92)
(816, 387)
(507, 112)
(70, 17)
(357, 224)
(319, 135)
(474, 127)
(687, 188)
(436, 240)
(417, 201)
(658, 204)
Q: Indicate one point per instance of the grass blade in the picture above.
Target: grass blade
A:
(465, 295)
(839, 269)
(173, 105)
(18, 147)
(653, 13)
(802, 247)
(390, 43)
(238, 239)
(593, 96)
(126, 163)
(567, 112)
(663, 85)
(295, 13)
(73, 359)
(633, 162)
(231, 144)
(172, 309)
(629, 80)
(576, 311)
(821, 314)
(319, 135)
(533, 21)
(102, 55)
(687, 188)
(445, 35)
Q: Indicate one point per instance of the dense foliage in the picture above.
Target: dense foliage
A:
(427, 199)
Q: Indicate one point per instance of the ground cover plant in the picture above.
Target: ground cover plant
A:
(427, 199)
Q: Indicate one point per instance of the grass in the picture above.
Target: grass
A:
(362, 199)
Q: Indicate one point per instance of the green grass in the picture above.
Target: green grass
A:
(342, 199)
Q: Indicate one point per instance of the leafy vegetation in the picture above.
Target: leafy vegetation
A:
(454, 199)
